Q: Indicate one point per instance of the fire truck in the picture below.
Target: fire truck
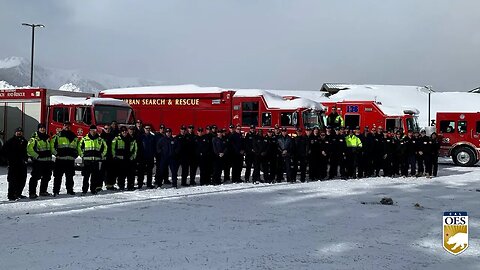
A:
(374, 114)
(179, 105)
(28, 107)
(460, 136)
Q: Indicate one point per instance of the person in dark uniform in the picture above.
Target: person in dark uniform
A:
(183, 154)
(108, 169)
(409, 146)
(211, 133)
(324, 150)
(228, 160)
(148, 146)
(93, 150)
(250, 156)
(115, 128)
(64, 146)
(168, 148)
(389, 148)
(397, 154)
(338, 155)
(160, 179)
(192, 160)
(15, 149)
(301, 148)
(423, 147)
(435, 148)
(272, 156)
(285, 149)
(203, 152)
(220, 149)
(365, 162)
(132, 160)
(314, 154)
(378, 151)
(120, 153)
(38, 148)
(236, 153)
(260, 150)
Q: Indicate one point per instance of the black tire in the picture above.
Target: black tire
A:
(464, 156)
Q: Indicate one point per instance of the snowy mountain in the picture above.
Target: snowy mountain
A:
(16, 71)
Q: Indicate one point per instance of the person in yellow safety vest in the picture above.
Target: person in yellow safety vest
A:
(38, 148)
(124, 151)
(334, 119)
(93, 150)
(354, 148)
(64, 146)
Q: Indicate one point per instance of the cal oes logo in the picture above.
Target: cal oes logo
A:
(455, 232)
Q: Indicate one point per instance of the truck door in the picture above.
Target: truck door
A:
(249, 113)
(58, 115)
(476, 135)
(83, 120)
(352, 116)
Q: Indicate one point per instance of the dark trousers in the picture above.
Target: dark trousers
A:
(285, 167)
(420, 164)
(409, 163)
(91, 173)
(261, 163)
(62, 167)
(337, 160)
(108, 172)
(159, 177)
(428, 163)
(131, 172)
(434, 162)
(145, 166)
(396, 165)
(193, 165)
(300, 163)
(227, 166)
(387, 165)
(204, 164)
(322, 164)
(185, 169)
(40, 170)
(237, 165)
(172, 164)
(121, 167)
(249, 160)
(218, 166)
(16, 177)
(313, 169)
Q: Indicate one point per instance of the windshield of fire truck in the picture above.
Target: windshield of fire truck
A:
(412, 123)
(105, 114)
(312, 119)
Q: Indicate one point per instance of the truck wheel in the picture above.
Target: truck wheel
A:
(464, 156)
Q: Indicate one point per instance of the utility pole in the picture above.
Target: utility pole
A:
(33, 46)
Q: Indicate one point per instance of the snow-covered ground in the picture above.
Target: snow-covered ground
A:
(319, 225)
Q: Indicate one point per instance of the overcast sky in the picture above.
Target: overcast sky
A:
(270, 44)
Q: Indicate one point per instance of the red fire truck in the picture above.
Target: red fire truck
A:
(28, 107)
(201, 106)
(460, 135)
(373, 114)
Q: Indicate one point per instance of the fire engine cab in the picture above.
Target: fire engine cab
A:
(179, 105)
(460, 136)
(373, 114)
(28, 107)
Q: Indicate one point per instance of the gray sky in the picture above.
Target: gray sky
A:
(271, 44)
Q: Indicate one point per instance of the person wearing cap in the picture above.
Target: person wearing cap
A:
(270, 168)
(220, 149)
(182, 158)
(250, 156)
(338, 155)
(285, 149)
(147, 157)
(15, 149)
(203, 153)
(408, 146)
(301, 149)
(133, 162)
(378, 151)
(108, 169)
(124, 150)
(162, 179)
(190, 139)
(389, 148)
(260, 152)
(424, 146)
(354, 146)
(93, 150)
(38, 148)
(334, 119)
(276, 131)
(168, 148)
(237, 151)
(64, 147)
(365, 165)
(229, 155)
(434, 151)
(397, 154)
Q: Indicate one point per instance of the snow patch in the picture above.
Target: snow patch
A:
(70, 87)
(12, 61)
(6, 85)
(57, 100)
(164, 89)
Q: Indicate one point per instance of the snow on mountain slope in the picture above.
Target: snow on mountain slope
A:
(16, 71)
